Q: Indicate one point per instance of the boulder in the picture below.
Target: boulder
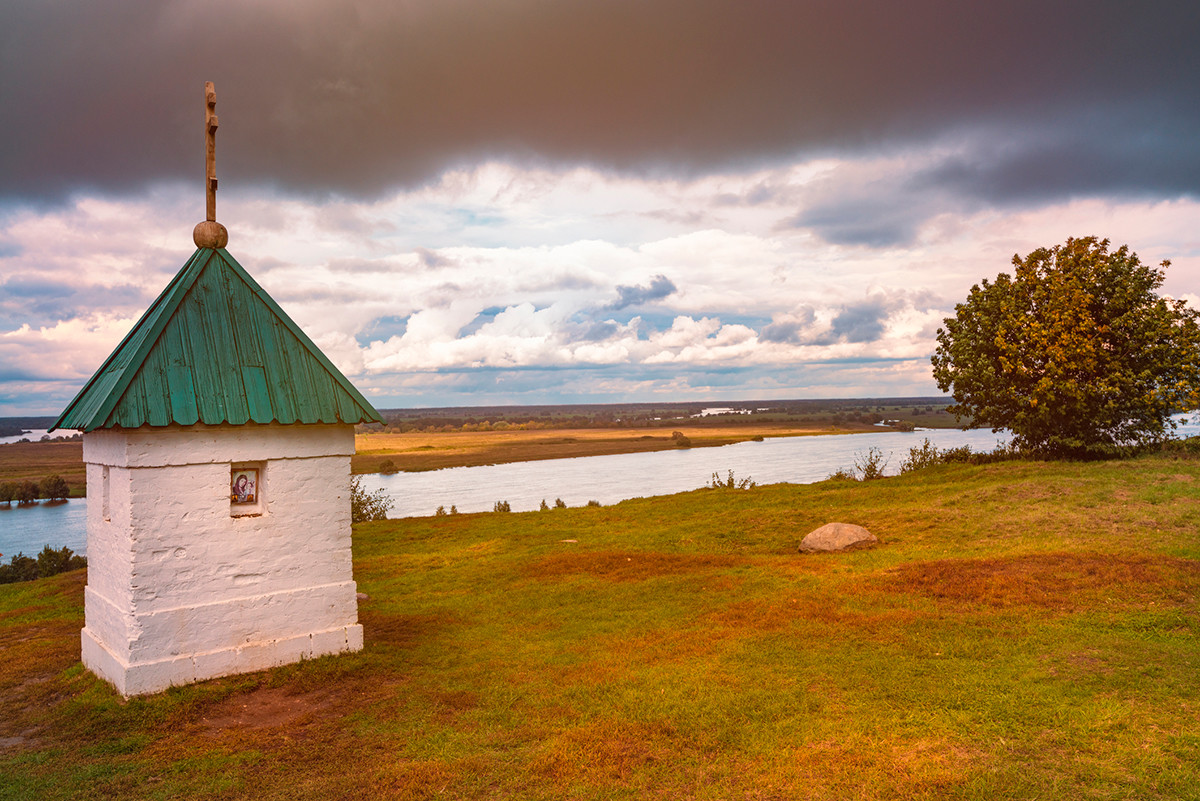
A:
(837, 537)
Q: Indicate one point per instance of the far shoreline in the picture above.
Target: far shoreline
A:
(415, 451)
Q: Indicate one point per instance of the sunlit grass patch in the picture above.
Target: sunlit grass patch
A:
(681, 647)
(624, 565)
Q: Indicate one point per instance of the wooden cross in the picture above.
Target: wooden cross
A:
(210, 125)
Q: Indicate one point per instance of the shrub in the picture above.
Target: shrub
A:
(1175, 447)
(366, 506)
(545, 506)
(21, 568)
(387, 466)
(680, 440)
(501, 506)
(843, 474)
(729, 482)
(920, 457)
(593, 503)
(871, 464)
(960, 454)
(559, 504)
(453, 509)
(441, 511)
(49, 562)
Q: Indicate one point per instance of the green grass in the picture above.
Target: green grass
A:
(1024, 630)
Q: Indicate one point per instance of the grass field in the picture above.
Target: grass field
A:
(34, 461)
(1023, 630)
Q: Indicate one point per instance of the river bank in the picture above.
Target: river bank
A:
(418, 452)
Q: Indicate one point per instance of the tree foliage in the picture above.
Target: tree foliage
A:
(27, 493)
(54, 488)
(365, 505)
(1076, 354)
(49, 562)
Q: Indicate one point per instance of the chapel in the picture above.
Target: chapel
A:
(217, 439)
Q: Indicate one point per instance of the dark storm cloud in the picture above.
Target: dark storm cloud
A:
(354, 99)
(879, 219)
(1133, 156)
(659, 287)
(791, 330)
(860, 322)
(589, 331)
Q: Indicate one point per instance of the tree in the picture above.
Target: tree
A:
(1076, 354)
(54, 488)
(27, 493)
(8, 491)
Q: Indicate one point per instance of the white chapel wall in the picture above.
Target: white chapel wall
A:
(181, 587)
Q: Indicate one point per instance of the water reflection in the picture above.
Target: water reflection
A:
(609, 479)
(31, 528)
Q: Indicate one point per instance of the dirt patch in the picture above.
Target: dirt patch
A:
(626, 565)
(267, 708)
(402, 630)
(1060, 581)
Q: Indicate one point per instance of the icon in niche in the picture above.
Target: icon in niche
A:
(244, 486)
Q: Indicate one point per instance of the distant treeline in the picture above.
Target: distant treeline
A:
(851, 411)
(25, 493)
(15, 426)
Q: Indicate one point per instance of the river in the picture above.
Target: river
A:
(609, 479)
(606, 479)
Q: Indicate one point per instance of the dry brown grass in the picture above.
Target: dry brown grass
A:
(1064, 582)
(33, 461)
(420, 451)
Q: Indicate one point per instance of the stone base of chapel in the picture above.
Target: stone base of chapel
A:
(141, 678)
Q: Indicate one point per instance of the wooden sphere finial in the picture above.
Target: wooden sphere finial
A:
(210, 234)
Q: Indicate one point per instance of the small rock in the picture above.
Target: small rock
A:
(837, 537)
(362, 596)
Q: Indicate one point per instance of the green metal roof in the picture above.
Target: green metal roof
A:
(215, 348)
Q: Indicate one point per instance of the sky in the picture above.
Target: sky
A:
(583, 201)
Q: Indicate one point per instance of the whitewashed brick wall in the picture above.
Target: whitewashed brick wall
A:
(181, 590)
